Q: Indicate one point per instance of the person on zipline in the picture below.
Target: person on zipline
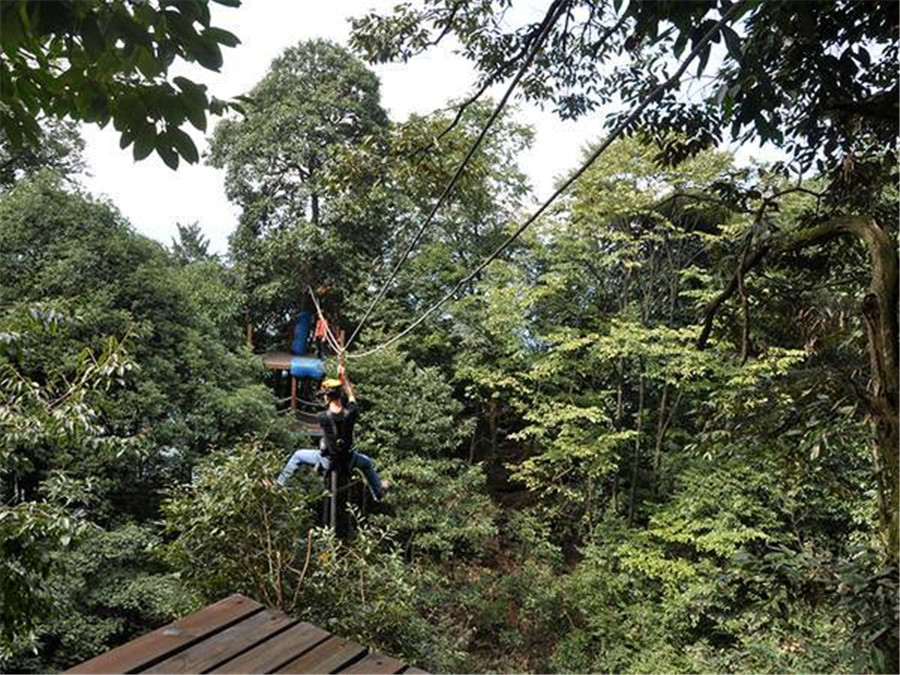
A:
(337, 422)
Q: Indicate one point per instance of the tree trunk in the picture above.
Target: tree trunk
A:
(620, 389)
(879, 310)
(314, 207)
(637, 446)
(880, 313)
(620, 412)
(312, 177)
(492, 421)
(248, 328)
(660, 434)
(661, 437)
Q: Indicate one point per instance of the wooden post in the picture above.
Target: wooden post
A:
(293, 392)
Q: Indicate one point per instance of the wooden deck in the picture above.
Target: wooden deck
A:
(238, 635)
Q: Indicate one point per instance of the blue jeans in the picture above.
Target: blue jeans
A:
(312, 457)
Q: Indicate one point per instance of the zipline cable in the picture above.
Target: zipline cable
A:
(553, 14)
(656, 93)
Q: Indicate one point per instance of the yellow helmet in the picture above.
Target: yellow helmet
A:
(331, 383)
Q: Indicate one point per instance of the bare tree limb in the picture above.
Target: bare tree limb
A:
(747, 264)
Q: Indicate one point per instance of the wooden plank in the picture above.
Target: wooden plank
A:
(413, 669)
(163, 642)
(375, 664)
(276, 651)
(328, 657)
(277, 360)
(224, 645)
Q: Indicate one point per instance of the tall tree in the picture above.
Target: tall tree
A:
(190, 246)
(59, 147)
(317, 104)
(316, 99)
(86, 257)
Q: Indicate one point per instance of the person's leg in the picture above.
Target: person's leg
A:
(365, 463)
(306, 456)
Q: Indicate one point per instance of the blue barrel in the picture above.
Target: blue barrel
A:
(306, 366)
(301, 332)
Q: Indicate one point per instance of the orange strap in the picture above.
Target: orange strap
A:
(321, 329)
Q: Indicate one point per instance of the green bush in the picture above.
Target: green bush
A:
(233, 531)
(110, 587)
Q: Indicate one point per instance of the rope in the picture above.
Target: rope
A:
(355, 476)
(287, 399)
(553, 14)
(656, 93)
(332, 341)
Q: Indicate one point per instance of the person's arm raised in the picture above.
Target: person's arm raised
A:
(346, 383)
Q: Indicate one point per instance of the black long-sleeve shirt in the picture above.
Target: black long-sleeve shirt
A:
(337, 426)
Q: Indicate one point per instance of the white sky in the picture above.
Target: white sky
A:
(154, 198)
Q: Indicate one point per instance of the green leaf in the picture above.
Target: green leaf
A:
(680, 43)
(166, 151)
(704, 57)
(193, 92)
(768, 131)
(208, 54)
(217, 106)
(147, 63)
(91, 37)
(13, 133)
(12, 31)
(183, 144)
(732, 42)
(144, 142)
(222, 36)
(196, 115)
(728, 106)
(126, 139)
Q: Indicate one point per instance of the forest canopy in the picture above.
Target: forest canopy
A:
(657, 433)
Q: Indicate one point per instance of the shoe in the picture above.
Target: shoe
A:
(385, 487)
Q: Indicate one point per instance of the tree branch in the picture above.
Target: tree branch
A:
(748, 263)
(498, 74)
(863, 227)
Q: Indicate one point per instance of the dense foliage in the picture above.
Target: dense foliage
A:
(615, 451)
(105, 62)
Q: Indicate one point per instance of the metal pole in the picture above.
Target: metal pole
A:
(333, 505)
(342, 524)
